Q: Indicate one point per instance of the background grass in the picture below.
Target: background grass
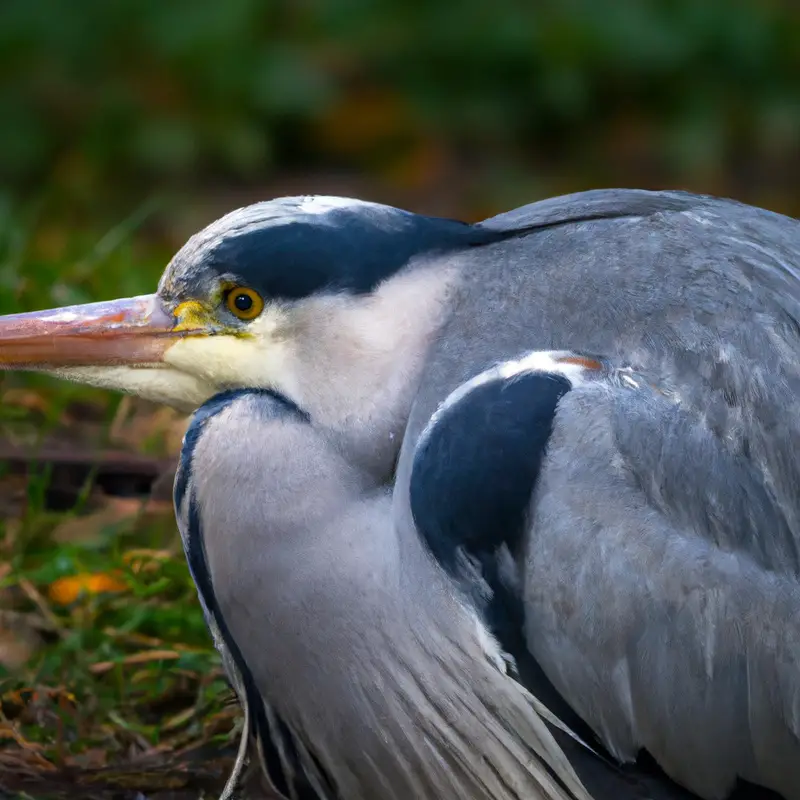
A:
(126, 126)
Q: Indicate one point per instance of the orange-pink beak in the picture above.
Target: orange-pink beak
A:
(132, 331)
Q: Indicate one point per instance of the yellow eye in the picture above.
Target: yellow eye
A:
(244, 303)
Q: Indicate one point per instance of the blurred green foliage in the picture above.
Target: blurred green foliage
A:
(46, 262)
(102, 97)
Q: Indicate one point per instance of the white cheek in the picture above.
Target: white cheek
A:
(169, 387)
(227, 360)
(257, 360)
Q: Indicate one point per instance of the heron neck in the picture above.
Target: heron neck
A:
(354, 363)
(385, 682)
(403, 694)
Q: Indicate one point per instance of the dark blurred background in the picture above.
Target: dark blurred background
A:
(463, 107)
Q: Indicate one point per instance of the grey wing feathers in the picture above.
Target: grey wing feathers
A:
(672, 620)
(595, 204)
(738, 393)
(607, 204)
(661, 579)
(716, 490)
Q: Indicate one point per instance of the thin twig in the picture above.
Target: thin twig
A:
(137, 658)
(35, 596)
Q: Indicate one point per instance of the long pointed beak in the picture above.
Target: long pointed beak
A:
(130, 331)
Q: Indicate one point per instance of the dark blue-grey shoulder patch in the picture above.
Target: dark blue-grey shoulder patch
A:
(295, 247)
(195, 556)
(472, 480)
(474, 471)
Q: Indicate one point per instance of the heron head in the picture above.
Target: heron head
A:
(261, 298)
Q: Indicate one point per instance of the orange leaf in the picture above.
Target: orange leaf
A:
(66, 590)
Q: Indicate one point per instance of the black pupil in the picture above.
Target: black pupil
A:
(243, 302)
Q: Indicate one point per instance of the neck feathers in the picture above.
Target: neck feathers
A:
(430, 716)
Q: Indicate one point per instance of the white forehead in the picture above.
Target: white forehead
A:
(321, 204)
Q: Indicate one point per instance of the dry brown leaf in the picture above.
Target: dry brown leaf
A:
(20, 638)
(137, 658)
(8, 730)
(94, 758)
(179, 719)
(135, 638)
(35, 596)
(13, 528)
(133, 425)
(131, 506)
(121, 414)
(146, 560)
(115, 511)
(90, 527)
(17, 648)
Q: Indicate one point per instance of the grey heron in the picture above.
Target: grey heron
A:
(624, 520)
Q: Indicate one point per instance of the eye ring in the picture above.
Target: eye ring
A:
(243, 303)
